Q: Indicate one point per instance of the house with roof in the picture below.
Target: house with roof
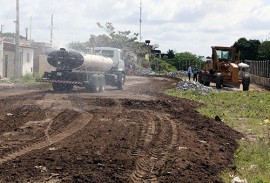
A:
(7, 58)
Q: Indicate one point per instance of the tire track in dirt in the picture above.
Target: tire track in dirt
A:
(80, 122)
(48, 128)
(160, 129)
(142, 164)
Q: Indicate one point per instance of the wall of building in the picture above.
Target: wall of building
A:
(10, 64)
(40, 57)
(27, 60)
(8, 58)
(43, 65)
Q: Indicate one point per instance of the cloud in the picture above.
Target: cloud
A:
(181, 25)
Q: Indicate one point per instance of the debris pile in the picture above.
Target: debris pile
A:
(176, 74)
(149, 72)
(191, 85)
(171, 74)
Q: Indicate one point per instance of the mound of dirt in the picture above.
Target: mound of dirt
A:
(134, 135)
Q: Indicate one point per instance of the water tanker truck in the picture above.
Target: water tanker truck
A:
(92, 71)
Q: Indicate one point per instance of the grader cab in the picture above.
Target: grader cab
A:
(225, 69)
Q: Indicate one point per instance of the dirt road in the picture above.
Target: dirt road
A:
(134, 135)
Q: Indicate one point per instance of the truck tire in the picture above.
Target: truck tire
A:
(124, 78)
(69, 87)
(95, 86)
(101, 84)
(88, 87)
(119, 85)
(120, 81)
(57, 87)
(218, 81)
(246, 82)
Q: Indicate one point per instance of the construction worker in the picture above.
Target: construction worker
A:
(195, 74)
(189, 72)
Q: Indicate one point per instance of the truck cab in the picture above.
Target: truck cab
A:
(116, 76)
(114, 53)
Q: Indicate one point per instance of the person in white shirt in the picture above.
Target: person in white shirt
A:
(189, 72)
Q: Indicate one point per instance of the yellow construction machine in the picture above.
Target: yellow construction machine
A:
(225, 69)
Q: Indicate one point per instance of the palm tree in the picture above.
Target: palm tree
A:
(171, 54)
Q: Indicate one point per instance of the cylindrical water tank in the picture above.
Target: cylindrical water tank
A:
(96, 63)
(68, 60)
(65, 60)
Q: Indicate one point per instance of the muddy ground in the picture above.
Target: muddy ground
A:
(134, 135)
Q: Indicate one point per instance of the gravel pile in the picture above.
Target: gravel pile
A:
(191, 85)
(171, 74)
(177, 73)
(182, 85)
(147, 72)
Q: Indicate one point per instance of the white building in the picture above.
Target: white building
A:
(7, 59)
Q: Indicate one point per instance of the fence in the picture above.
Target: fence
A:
(260, 72)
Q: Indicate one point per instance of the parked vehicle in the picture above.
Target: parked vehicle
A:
(225, 69)
(92, 71)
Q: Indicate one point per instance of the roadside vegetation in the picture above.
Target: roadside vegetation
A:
(248, 113)
(26, 80)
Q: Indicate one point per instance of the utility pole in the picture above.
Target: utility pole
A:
(51, 29)
(141, 21)
(17, 61)
(1, 30)
(30, 29)
(26, 34)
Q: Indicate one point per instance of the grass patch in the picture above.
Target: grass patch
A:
(245, 112)
(26, 80)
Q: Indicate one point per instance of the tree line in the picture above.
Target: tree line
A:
(250, 50)
(253, 49)
(131, 47)
(134, 51)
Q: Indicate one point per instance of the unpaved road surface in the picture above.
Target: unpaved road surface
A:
(134, 135)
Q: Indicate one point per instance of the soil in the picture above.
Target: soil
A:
(133, 135)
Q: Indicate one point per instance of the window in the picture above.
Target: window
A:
(224, 55)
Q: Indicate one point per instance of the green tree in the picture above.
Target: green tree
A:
(242, 45)
(78, 46)
(8, 34)
(254, 50)
(161, 65)
(185, 59)
(248, 48)
(124, 40)
(11, 35)
(264, 51)
(171, 54)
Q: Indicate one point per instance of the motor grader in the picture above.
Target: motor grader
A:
(225, 69)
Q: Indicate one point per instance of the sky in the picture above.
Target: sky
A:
(179, 25)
